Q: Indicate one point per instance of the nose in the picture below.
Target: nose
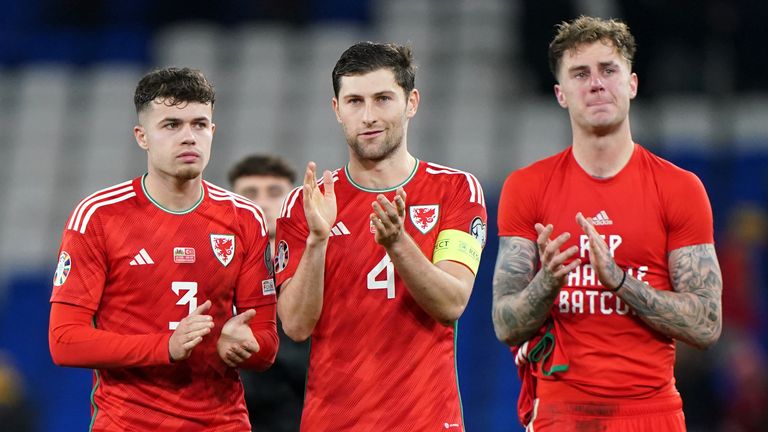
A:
(596, 84)
(368, 114)
(188, 135)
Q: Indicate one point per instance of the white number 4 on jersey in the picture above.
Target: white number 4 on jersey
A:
(389, 282)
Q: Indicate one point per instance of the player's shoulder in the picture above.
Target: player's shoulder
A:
(112, 198)
(456, 179)
(241, 205)
(666, 172)
(541, 169)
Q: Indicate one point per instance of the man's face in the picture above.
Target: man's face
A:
(374, 112)
(177, 138)
(596, 85)
(266, 191)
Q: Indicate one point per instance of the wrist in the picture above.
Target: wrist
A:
(621, 284)
(396, 246)
(315, 240)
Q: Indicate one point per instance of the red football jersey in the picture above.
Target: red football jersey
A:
(142, 269)
(647, 210)
(378, 361)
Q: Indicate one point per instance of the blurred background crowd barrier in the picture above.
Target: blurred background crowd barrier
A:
(68, 70)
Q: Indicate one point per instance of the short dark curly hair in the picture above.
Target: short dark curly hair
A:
(262, 165)
(175, 86)
(585, 30)
(364, 57)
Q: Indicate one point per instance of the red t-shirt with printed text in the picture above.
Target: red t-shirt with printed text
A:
(651, 207)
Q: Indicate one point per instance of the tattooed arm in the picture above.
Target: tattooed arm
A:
(522, 300)
(691, 313)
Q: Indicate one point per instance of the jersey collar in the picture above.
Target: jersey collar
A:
(365, 189)
(157, 204)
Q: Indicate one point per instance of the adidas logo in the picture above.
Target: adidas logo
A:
(339, 229)
(142, 258)
(602, 219)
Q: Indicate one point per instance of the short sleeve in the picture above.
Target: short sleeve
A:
(256, 284)
(517, 207)
(81, 268)
(465, 210)
(290, 237)
(688, 211)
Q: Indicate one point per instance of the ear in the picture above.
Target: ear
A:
(560, 96)
(412, 104)
(141, 136)
(633, 85)
(335, 106)
(213, 128)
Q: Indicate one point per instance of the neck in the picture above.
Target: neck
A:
(173, 194)
(603, 155)
(383, 174)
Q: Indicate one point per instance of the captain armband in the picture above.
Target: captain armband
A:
(456, 245)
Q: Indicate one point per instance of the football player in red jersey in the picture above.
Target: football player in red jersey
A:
(606, 256)
(149, 271)
(376, 262)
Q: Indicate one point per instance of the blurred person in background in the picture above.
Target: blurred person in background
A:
(274, 397)
(149, 271)
(16, 413)
(606, 256)
(377, 260)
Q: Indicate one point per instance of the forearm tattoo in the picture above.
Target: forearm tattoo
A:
(692, 313)
(521, 302)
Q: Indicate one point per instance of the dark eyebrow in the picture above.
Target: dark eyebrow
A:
(377, 94)
(170, 120)
(178, 120)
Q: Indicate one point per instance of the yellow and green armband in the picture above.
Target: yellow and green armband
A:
(456, 245)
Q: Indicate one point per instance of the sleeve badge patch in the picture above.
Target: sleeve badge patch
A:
(479, 230)
(62, 269)
(268, 287)
(281, 259)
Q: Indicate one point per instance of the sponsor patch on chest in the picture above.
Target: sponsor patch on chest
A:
(183, 255)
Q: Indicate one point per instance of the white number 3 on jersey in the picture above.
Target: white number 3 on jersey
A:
(190, 298)
(389, 282)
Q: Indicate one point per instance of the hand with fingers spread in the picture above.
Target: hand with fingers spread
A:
(600, 257)
(554, 263)
(237, 343)
(388, 218)
(319, 207)
(190, 332)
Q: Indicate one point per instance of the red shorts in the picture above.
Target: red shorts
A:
(657, 414)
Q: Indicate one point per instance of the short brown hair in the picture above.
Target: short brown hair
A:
(364, 57)
(262, 165)
(586, 29)
(175, 86)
